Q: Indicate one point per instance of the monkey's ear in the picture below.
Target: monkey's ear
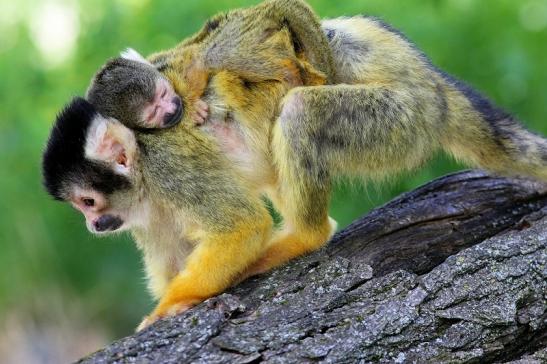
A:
(110, 141)
(133, 55)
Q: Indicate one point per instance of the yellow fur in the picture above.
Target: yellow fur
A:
(188, 256)
(213, 265)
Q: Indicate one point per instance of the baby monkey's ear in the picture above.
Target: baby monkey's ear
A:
(111, 142)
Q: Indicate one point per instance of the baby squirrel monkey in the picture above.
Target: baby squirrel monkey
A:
(130, 89)
(199, 224)
(143, 93)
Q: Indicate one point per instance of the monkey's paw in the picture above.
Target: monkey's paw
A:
(158, 315)
(201, 112)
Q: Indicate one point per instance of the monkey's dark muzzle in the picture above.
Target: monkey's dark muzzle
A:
(174, 118)
(107, 223)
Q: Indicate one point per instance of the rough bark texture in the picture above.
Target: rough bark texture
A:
(453, 272)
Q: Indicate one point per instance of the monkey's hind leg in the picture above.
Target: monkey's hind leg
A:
(306, 224)
(367, 130)
(301, 194)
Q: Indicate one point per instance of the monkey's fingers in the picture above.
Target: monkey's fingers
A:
(200, 112)
(203, 113)
(198, 119)
(202, 107)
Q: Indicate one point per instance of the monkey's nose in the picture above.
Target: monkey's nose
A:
(175, 117)
(107, 223)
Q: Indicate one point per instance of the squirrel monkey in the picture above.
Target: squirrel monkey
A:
(262, 43)
(130, 89)
(378, 115)
(199, 224)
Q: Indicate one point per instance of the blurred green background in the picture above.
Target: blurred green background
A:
(63, 292)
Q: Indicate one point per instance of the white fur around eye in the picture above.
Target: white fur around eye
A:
(133, 55)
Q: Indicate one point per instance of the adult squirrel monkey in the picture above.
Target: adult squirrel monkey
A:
(384, 108)
(198, 225)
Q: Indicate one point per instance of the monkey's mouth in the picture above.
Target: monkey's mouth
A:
(176, 117)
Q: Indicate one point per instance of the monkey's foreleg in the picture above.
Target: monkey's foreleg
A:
(214, 265)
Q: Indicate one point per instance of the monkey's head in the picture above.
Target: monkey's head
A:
(131, 90)
(91, 162)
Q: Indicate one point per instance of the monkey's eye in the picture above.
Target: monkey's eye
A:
(163, 93)
(89, 202)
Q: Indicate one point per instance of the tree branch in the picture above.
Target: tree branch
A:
(454, 271)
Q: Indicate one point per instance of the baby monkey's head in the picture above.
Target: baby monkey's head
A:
(132, 90)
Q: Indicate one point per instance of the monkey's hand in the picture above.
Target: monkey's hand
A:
(200, 112)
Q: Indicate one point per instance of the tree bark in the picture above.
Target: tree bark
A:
(452, 272)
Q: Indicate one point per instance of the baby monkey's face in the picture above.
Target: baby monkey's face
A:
(165, 109)
(131, 90)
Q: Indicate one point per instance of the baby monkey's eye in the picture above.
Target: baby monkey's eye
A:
(89, 202)
(163, 93)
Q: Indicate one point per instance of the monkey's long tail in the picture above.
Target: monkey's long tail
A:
(496, 141)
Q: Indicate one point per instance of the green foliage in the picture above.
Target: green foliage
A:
(496, 45)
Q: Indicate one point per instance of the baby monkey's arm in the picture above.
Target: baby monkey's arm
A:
(278, 40)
